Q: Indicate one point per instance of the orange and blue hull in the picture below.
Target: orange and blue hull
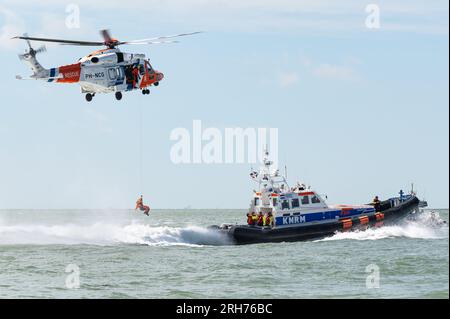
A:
(388, 213)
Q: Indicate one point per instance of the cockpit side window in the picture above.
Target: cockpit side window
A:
(256, 201)
(305, 200)
(295, 203)
(119, 57)
(285, 204)
(275, 202)
(149, 68)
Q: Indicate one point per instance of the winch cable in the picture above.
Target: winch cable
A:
(141, 153)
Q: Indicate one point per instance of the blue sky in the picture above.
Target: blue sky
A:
(360, 112)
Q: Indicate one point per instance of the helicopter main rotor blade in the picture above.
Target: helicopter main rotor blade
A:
(148, 42)
(106, 35)
(60, 41)
(157, 39)
(109, 41)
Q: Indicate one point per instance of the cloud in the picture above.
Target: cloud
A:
(300, 16)
(291, 65)
(39, 22)
(330, 71)
(288, 79)
(12, 26)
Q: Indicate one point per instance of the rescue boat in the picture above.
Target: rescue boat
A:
(300, 213)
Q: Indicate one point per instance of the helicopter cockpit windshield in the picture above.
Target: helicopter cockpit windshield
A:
(149, 67)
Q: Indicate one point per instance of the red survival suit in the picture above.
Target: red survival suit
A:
(140, 205)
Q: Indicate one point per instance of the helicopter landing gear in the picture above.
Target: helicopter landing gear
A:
(145, 91)
(89, 97)
(156, 83)
(118, 96)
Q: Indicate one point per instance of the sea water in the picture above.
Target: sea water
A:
(172, 254)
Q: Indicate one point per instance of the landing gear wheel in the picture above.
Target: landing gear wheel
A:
(89, 97)
(145, 91)
(156, 83)
(118, 96)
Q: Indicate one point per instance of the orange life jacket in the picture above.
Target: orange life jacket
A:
(260, 220)
(249, 219)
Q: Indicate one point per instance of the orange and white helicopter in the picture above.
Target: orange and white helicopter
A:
(103, 71)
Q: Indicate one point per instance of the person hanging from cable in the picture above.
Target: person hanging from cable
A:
(140, 205)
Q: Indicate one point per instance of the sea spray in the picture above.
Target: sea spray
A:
(427, 225)
(164, 235)
(108, 234)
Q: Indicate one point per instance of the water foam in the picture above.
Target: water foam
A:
(108, 234)
(426, 225)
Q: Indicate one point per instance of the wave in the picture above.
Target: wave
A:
(426, 225)
(109, 234)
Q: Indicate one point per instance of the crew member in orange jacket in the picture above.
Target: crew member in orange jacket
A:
(249, 219)
(269, 220)
(260, 219)
(135, 76)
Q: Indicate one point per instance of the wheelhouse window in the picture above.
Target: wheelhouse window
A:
(285, 204)
(256, 201)
(295, 203)
(275, 202)
(305, 200)
(315, 200)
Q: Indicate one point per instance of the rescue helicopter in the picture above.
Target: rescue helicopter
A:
(103, 71)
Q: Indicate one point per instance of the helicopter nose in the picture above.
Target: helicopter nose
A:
(160, 76)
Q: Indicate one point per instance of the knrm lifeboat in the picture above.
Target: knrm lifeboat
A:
(279, 213)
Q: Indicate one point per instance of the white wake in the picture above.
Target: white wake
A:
(426, 225)
(107, 234)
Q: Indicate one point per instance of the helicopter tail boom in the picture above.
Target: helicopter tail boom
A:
(63, 74)
(29, 57)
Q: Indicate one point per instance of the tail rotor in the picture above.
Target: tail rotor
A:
(31, 52)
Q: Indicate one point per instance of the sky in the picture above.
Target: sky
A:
(359, 111)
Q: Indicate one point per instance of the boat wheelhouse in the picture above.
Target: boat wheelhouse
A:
(291, 206)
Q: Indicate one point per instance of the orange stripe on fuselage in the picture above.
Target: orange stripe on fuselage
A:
(70, 73)
(98, 52)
